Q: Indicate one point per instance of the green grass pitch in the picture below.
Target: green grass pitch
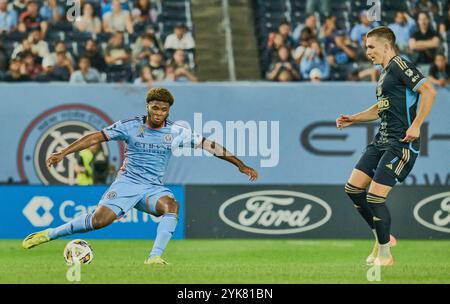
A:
(229, 261)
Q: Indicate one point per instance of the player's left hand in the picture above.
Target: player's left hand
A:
(253, 175)
(412, 134)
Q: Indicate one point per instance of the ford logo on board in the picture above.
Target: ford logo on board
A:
(275, 212)
(434, 212)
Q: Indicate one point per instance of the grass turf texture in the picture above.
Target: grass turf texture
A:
(228, 261)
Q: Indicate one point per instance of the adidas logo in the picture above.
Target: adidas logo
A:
(389, 166)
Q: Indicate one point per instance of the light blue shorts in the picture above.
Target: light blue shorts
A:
(122, 196)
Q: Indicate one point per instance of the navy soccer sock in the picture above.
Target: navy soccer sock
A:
(381, 217)
(359, 198)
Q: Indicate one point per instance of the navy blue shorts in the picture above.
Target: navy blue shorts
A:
(387, 167)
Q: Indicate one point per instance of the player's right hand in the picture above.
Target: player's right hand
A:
(344, 121)
(54, 159)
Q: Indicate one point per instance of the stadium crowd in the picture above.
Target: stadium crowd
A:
(112, 41)
(326, 45)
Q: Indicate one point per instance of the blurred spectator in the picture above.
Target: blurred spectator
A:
(440, 71)
(314, 58)
(444, 25)
(63, 67)
(424, 42)
(284, 31)
(328, 29)
(144, 12)
(142, 51)
(311, 24)
(402, 29)
(319, 6)
(149, 30)
(306, 38)
(157, 68)
(19, 6)
(32, 68)
(60, 47)
(272, 51)
(117, 20)
(182, 70)
(116, 52)
(17, 72)
(424, 6)
(145, 76)
(31, 20)
(38, 45)
(284, 63)
(179, 39)
(362, 28)
(88, 21)
(85, 74)
(33, 44)
(96, 58)
(315, 75)
(3, 59)
(51, 12)
(170, 74)
(341, 54)
(8, 17)
(106, 6)
(24, 46)
(92, 166)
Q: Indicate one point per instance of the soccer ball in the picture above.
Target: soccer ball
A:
(78, 250)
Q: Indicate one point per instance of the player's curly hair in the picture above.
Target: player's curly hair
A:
(159, 94)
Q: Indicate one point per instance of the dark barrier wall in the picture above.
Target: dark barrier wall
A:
(293, 139)
(309, 212)
(27, 209)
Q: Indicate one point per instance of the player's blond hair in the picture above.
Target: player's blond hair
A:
(383, 32)
(159, 94)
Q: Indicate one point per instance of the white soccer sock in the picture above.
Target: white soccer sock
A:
(375, 234)
(384, 250)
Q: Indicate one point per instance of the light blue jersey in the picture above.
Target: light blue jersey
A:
(147, 154)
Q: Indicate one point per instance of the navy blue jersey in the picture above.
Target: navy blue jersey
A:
(397, 98)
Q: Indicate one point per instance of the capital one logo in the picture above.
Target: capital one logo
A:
(37, 211)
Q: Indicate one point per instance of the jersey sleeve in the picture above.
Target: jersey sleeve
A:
(116, 131)
(410, 76)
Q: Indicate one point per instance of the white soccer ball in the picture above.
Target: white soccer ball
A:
(78, 250)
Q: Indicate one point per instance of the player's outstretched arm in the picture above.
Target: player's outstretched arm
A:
(428, 95)
(344, 121)
(220, 152)
(78, 145)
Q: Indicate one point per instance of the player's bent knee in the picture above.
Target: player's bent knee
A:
(101, 220)
(173, 207)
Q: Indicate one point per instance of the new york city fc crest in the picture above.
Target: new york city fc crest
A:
(51, 131)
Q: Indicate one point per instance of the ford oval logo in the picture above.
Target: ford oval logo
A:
(434, 212)
(275, 212)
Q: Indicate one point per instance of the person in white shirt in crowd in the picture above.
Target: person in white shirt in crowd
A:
(88, 22)
(33, 43)
(117, 20)
(86, 74)
(179, 39)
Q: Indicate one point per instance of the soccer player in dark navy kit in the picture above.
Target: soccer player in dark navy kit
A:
(404, 99)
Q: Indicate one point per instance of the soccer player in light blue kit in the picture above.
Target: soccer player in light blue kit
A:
(150, 140)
